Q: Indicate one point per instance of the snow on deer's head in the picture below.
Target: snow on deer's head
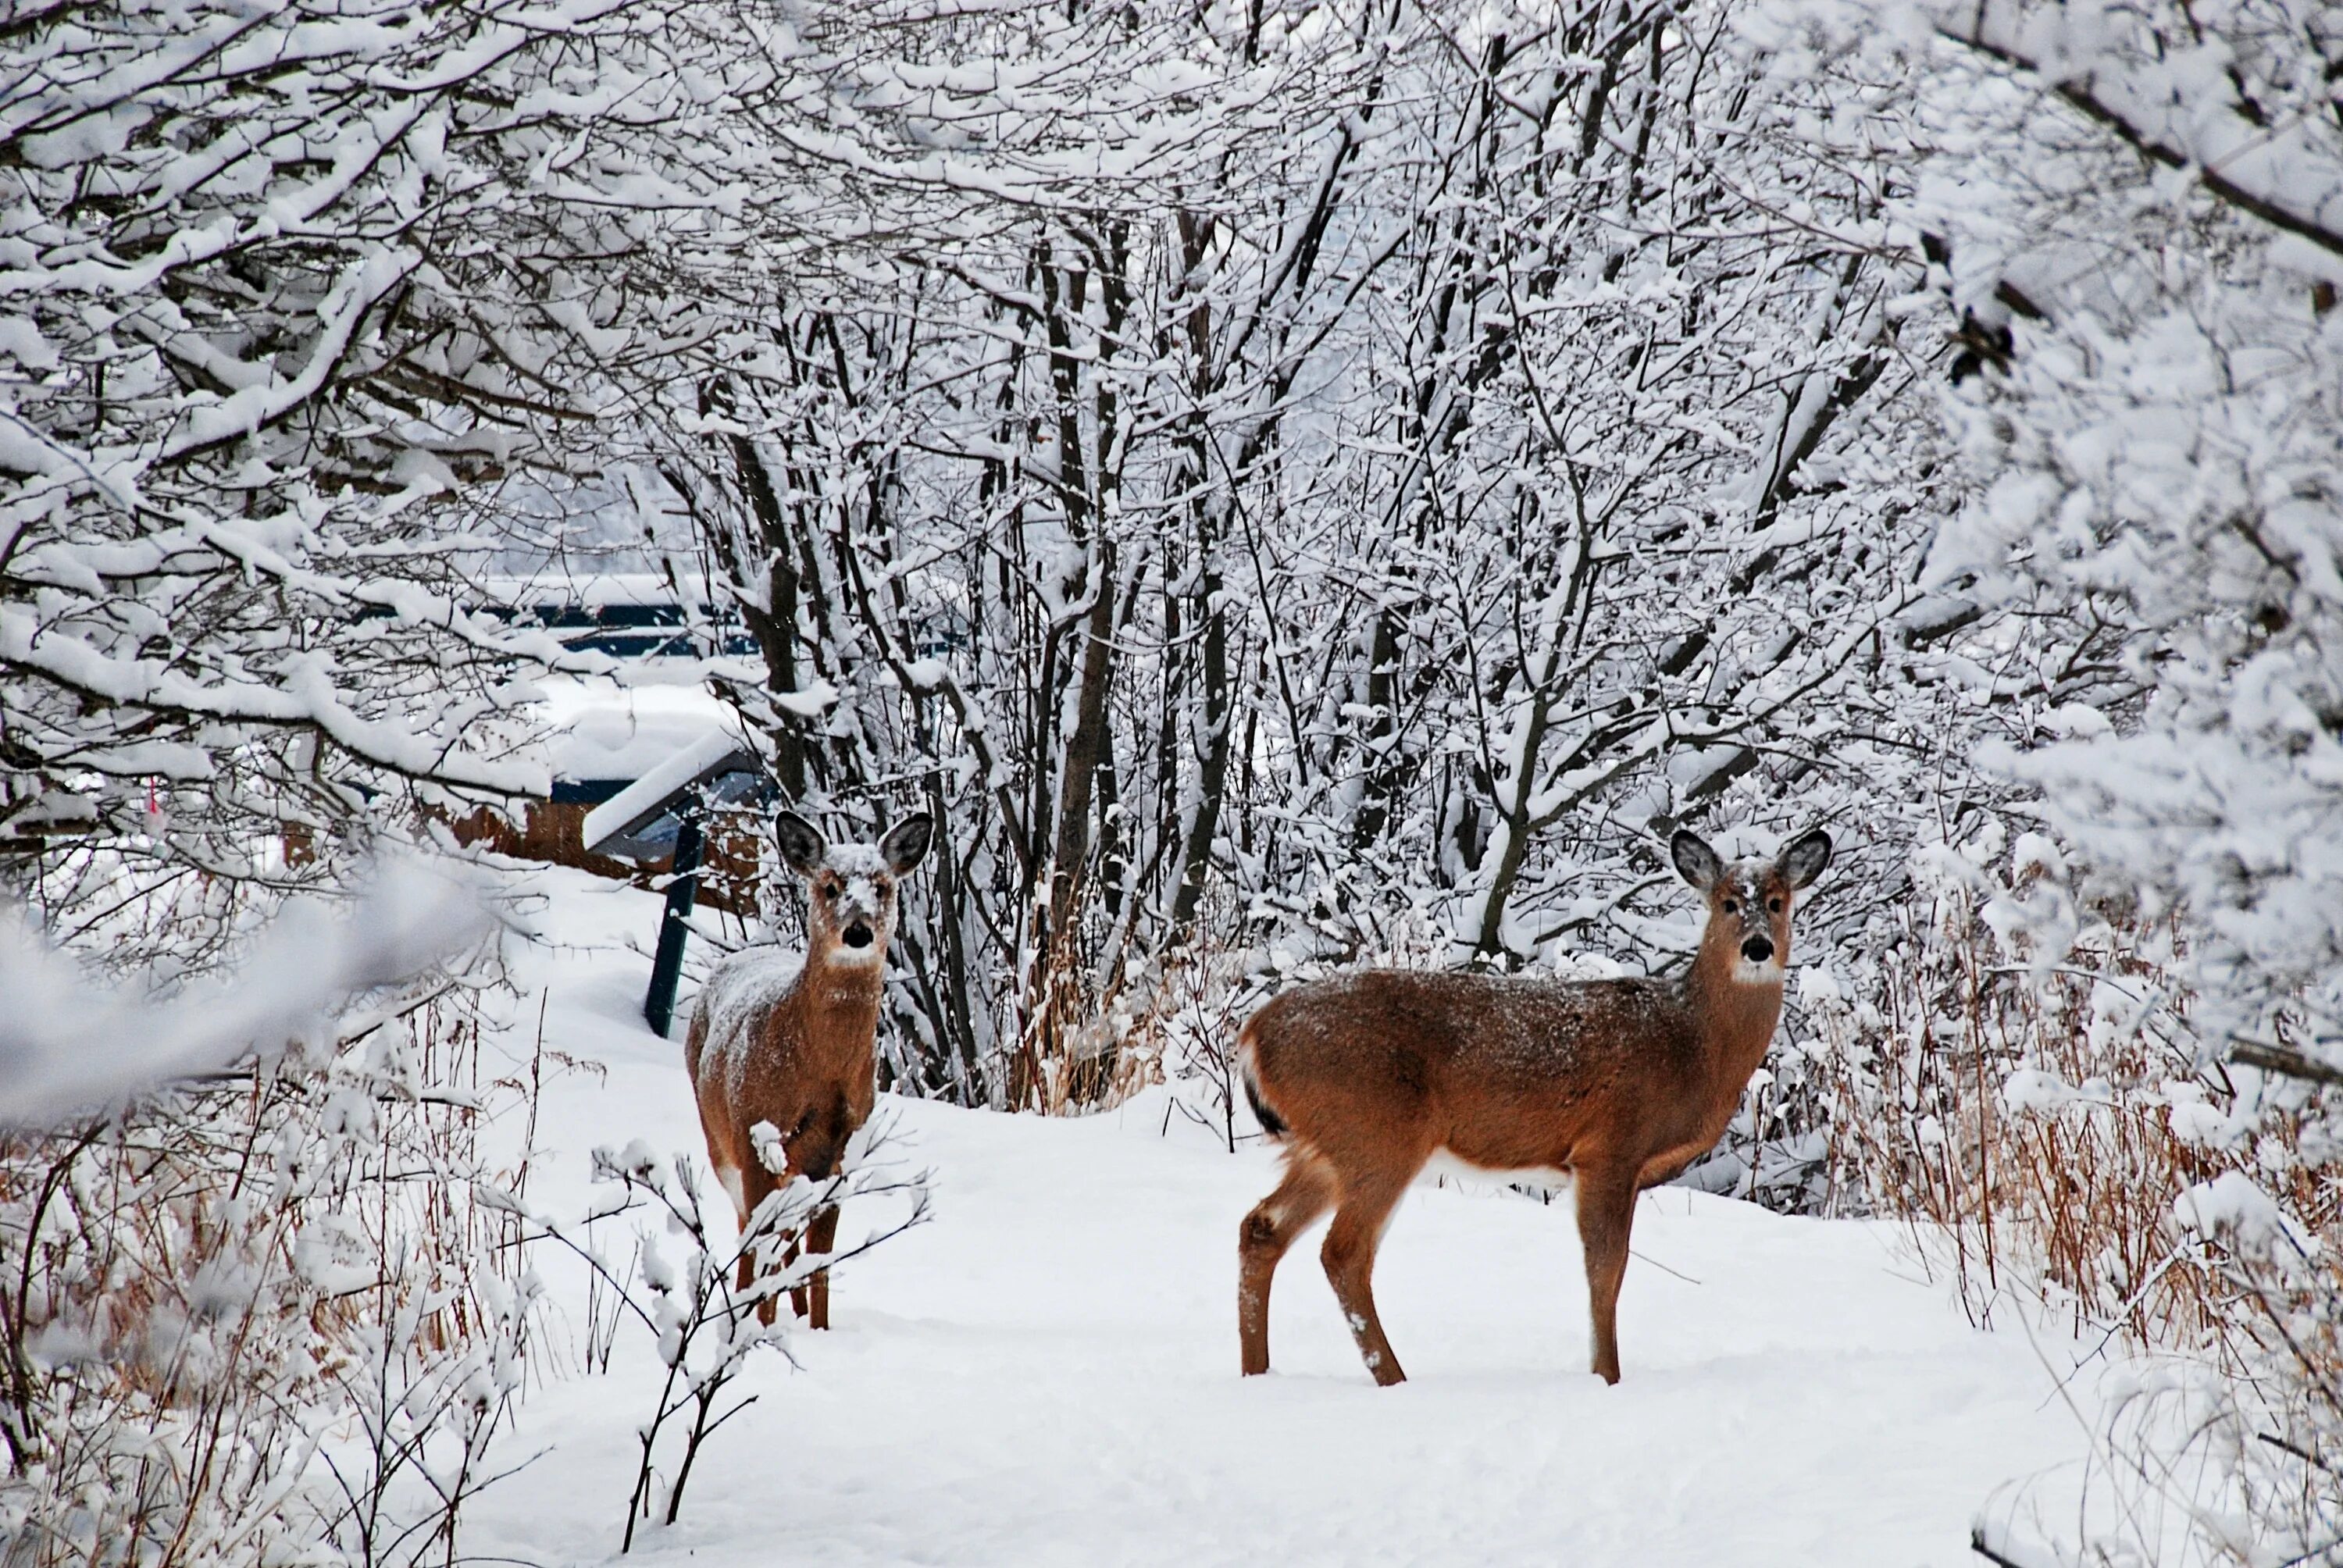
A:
(1749, 902)
(851, 887)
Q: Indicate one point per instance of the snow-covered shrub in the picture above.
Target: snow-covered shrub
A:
(2022, 1082)
(2133, 238)
(71, 1040)
(272, 1314)
(2170, 470)
(2027, 1086)
(2134, 243)
(2222, 1454)
(2159, 464)
(702, 1303)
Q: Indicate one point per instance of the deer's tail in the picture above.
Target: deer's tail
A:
(1272, 1124)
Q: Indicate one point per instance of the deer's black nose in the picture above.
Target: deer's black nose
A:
(1757, 950)
(858, 935)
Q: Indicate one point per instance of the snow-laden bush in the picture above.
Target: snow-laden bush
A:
(2027, 1085)
(2134, 224)
(294, 300)
(69, 1041)
(2134, 221)
(266, 1314)
(2016, 1082)
(2166, 465)
(705, 1302)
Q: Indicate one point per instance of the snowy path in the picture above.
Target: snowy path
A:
(1047, 1372)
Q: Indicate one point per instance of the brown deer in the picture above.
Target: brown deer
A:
(1622, 1082)
(786, 1038)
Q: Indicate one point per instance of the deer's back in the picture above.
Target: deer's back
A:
(1504, 1072)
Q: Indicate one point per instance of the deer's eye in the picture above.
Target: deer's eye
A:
(1774, 905)
(1731, 908)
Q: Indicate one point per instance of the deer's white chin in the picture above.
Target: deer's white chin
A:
(1747, 973)
(857, 958)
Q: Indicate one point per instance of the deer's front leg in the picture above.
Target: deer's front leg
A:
(1606, 1213)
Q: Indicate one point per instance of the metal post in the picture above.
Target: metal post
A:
(667, 963)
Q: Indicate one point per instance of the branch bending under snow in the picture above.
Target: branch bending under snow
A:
(2244, 164)
(2285, 1062)
(69, 1044)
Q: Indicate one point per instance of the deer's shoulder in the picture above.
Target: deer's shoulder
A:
(743, 989)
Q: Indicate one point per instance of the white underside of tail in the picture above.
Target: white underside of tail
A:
(730, 1180)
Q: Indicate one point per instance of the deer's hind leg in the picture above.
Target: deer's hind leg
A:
(1349, 1254)
(1262, 1240)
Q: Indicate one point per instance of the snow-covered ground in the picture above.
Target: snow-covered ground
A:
(1047, 1372)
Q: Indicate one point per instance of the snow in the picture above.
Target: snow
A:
(745, 984)
(856, 860)
(602, 730)
(739, 994)
(2032, 1089)
(2231, 1204)
(1046, 1373)
(646, 794)
(812, 701)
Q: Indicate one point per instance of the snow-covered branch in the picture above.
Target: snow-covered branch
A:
(69, 1044)
(2181, 97)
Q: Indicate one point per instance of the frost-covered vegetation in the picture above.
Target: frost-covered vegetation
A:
(265, 1313)
(1285, 485)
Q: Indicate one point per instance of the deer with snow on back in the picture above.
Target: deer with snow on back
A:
(1622, 1084)
(786, 1038)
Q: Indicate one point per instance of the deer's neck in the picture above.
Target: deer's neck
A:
(843, 989)
(1736, 1017)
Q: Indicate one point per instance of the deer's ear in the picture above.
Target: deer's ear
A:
(906, 843)
(1804, 860)
(1695, 862)
(802, 845)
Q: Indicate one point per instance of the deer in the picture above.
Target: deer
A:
(1363, 1077)
(788, 1038)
